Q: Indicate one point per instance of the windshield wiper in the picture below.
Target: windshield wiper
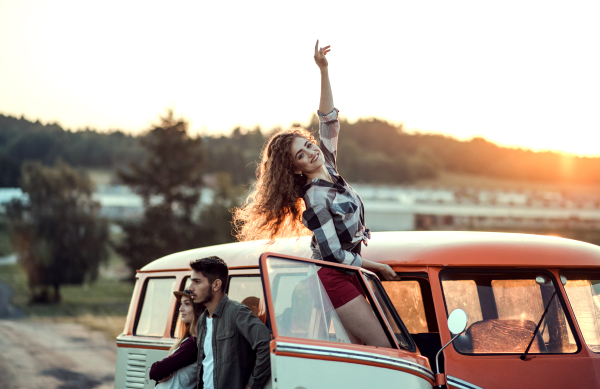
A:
(524, 355)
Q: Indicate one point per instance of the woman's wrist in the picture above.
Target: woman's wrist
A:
(324, 70)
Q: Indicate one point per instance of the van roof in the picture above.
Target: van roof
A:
(415, 248)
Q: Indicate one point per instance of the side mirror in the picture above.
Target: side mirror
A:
(457, 322)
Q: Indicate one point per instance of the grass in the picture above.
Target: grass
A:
(101, 305)
(5, 245)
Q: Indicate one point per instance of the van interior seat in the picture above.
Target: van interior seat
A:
(504, 336)
(257, 306)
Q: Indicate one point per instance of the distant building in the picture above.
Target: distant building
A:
(410, 208)
(118, 201)
(406, 208)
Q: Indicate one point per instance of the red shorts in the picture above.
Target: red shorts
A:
(340, 287)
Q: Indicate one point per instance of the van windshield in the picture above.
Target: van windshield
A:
(583, 291)
(302, 308)
(504, 308)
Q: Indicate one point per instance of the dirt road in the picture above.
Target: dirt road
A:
(54, 356)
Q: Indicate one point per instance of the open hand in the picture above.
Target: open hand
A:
(320, 54)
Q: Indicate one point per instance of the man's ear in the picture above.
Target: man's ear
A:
(218, 284)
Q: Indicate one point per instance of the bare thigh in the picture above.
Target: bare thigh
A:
(359, 320)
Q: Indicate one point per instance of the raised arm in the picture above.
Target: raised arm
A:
(326, 102)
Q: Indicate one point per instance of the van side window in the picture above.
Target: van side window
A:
(504, 308)
(176, 326)
(408, 301)
(249, 291)
(583, 291)
(153, 317)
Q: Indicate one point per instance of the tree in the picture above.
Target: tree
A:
(57, 233)
(216, 218)
(169, 181)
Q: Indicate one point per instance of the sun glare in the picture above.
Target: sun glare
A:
(453, 69)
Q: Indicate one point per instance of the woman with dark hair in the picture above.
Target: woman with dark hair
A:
(298, 188)
(179, 369)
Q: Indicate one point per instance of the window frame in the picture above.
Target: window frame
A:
(141, 306)
(577, 271)
(490, 271)
(361, 275)
(422, 279)
(412, 347)
(177, 305)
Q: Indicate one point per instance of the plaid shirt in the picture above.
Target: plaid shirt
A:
(334, 211)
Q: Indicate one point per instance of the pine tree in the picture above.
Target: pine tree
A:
(169, 182)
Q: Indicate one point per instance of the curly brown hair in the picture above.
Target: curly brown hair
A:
(274, 207)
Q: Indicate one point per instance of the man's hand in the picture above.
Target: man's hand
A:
(320, 54)
(166, 378)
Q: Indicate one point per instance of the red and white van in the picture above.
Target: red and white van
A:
(532, 303)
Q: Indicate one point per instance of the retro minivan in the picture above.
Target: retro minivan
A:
(532, 306)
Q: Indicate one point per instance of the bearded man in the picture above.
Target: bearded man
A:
(233, 344)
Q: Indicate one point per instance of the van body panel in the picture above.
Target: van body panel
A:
(294, 372)
(415, 248)
(133, 367)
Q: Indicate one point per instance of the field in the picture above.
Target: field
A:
(101, 305)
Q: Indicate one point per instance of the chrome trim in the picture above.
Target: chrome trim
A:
(131, 341)
(358, 355)
(460, 384)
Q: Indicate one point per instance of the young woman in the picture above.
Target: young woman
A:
(298, 186)
(178, 370)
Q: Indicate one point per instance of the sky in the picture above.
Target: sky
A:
(518, 73)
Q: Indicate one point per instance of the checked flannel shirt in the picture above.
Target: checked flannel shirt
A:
(334, 211)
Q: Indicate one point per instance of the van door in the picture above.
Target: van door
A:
(411, 296)
(509, 311)
(311, 348)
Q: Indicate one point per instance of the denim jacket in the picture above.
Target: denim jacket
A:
(240, 343)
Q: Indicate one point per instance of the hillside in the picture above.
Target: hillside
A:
(370, 151)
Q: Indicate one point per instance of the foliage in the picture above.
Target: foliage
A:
(235, 154)
(170, 182)
(378, 157)
(5, 246)
(215, 218)
(22, 140)
(56, 233)
(370, 151)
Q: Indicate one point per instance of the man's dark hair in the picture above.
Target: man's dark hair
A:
(212, 268)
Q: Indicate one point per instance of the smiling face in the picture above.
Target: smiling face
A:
(186, 310)
(306, 156)
(200, 289)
